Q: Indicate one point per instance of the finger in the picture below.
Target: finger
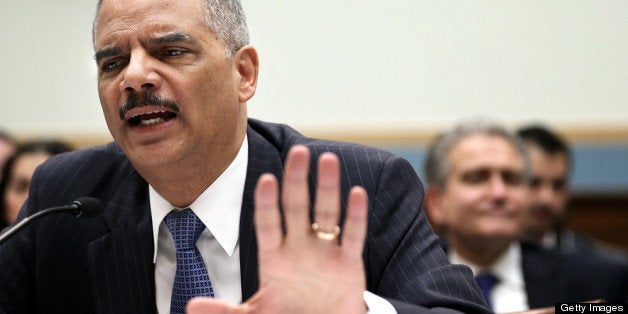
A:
(203, 305)
(327, 204)
(354, 230)
(267, 216)
(295, 192)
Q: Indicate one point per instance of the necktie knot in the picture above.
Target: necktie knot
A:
(185, 228)
(486, 281)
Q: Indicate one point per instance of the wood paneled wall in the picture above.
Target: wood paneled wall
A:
(603, 216)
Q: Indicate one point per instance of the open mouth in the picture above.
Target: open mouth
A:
(151, 118)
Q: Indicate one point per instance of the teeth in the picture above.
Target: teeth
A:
(152, 121)
(144, 120)
(138, 115)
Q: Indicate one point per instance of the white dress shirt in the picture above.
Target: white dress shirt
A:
(509, 294)
(550, 240)
(218, 208)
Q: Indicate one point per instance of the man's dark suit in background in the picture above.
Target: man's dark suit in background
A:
(553, 276)
(104, 264)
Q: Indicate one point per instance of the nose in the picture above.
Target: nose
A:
(546, 193)
(140, 73)
(497, 187)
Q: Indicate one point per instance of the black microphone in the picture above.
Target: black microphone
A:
(81, 207)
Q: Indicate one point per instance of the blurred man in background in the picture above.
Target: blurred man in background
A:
(477, 175)
(544, 224)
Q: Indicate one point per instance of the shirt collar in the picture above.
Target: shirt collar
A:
(549, 240)
(507, 267)
(218, 207)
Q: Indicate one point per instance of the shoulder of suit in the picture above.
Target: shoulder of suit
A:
(283, 137)
(91, 158)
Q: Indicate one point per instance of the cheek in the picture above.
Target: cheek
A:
(14, 201)
(213, 109)
(109, 100)
(461, 209)
(560, 198)
(111, 114)
(560, 205)
(521, 200)
(105, 102)
(467, 201)
(12, 214)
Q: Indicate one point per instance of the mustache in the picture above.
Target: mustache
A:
(147, 98)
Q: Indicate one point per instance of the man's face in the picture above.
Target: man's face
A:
(165, 49)
(548, 189)
(484, 197)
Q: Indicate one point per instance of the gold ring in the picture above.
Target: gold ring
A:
(324, 235)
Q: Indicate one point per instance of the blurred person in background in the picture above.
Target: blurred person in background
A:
(476, 194)
(18, 171)
(544, 223)
(7, 147)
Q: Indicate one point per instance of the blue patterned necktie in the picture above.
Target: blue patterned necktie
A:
(486, 282)
(191, 278)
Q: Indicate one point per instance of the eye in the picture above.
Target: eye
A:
(476, 176)
(512, 178)
(109, 66)
(20, 186)
(173, 52)
(559, 185)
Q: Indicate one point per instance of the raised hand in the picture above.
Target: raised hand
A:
(304, 270)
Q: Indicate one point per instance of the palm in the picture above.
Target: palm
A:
(299, 271)
(322, 274)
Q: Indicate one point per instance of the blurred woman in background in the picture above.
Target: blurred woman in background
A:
(17, 173)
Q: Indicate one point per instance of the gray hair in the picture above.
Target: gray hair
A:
(224, 18)
(437, 165)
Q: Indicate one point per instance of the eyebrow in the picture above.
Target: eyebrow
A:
(166, 39)
(107, 52)
(173, 38)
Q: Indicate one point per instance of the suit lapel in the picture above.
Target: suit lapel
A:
(121, 261)
(263, 158)
(540, 275)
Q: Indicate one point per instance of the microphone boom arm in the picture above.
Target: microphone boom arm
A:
(83, 205)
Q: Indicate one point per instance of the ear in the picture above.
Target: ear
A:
(246, 64)
(433, 205)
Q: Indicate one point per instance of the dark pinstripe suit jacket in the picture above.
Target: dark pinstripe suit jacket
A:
(61, 264)
(556, 277)
(553, 276)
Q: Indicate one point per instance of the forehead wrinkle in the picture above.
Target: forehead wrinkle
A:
(174, 37)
